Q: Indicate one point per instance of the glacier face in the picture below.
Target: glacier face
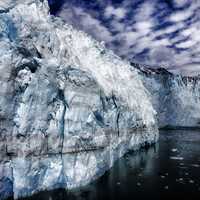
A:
(175, 98)
(68, 107)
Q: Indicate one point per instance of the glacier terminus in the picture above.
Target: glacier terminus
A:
(69, 107)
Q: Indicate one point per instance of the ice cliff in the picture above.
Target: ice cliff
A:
(68, 107)
(176, 98)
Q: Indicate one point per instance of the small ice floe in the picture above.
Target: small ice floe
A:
(118, 183)
(174, 150)
(195, 165)
(182, 166)
(138, 184)
(176, 158)
(180, 180)
(191, 181)
(166, 187)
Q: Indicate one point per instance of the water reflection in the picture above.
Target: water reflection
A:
(150, 173)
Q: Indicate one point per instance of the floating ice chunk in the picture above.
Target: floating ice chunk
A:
(138, 184)
(166, 187)
(174, 150)
(176, 158)
(195, 165)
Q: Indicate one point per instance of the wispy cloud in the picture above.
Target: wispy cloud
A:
(151, 32)
(111, 11)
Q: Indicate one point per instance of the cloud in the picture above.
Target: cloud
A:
(180, 15)
(119, 13)
(145, 11)
(78, 17)
(162, 56)
(150, 32)
(180, 3)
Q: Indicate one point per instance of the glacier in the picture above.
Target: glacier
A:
(68, 106)
(175, 98)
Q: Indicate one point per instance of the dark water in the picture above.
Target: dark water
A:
(169, 170)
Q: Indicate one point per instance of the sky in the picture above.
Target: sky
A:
(158, 33)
